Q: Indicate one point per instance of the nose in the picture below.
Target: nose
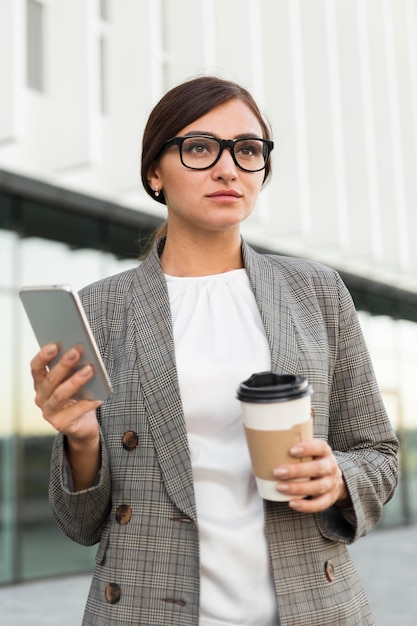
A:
(225, 168)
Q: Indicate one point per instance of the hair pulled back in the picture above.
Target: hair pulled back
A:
(181, 106)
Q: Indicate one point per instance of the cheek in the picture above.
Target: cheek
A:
(182, 180)
(255, 186)
(181, 192)
(188, 188)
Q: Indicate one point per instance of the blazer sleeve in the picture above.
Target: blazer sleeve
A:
(360, 432)
(81, 514)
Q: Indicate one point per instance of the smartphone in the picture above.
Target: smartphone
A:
(57, 316)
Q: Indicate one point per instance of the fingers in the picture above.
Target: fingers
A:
(46, 382)
(57, 386)
(41, 361)
(57, 395)
(56, 389)
(321, 480)
(74, 418)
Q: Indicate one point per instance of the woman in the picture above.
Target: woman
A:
(160, 474)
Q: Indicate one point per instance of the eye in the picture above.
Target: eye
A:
(199, 146)
(250, 148)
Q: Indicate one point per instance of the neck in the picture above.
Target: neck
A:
(201, 256)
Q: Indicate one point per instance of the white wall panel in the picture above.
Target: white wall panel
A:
(337, 79)
(56, 127)
(387, 216)
(322, 176)
(358, 214)
(73, 84)
(235, 41)
(134, 47)
(11, 70)
(398, 182)
(187, 32)
(405, 41)
(411, 183)
(281, 93)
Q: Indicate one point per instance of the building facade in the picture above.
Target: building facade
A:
(337, 80)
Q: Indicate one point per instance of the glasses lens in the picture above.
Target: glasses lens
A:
(251, 154)
(199, 152)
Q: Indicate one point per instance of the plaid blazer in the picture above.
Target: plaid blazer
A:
(142, 508)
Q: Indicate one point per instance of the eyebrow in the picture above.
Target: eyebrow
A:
(192, 133)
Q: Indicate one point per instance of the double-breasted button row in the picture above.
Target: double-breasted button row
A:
(113, 593)
(124, 511)
(130, 440)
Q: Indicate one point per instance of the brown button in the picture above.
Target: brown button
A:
(130, 440)
(113, 593)
(124, 514)
(329, 571)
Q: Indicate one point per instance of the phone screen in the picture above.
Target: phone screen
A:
(57, 316)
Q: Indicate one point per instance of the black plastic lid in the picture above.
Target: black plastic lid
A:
(271, 387)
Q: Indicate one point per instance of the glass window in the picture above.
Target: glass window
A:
(44, 550)
(8, 241)
(393, 346)
(34, 45)
(9, 439)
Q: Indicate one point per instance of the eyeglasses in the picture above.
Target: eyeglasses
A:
(200, 152)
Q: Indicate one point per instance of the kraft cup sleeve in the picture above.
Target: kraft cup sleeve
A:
(270, 448)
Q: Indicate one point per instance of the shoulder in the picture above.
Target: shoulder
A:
(298, 273)
(111, 285)
(295, 265)
(302, 282)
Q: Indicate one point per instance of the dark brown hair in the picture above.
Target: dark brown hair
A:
(181, 106)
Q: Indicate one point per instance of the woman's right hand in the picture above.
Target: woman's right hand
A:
(55, 393)
(76, 419)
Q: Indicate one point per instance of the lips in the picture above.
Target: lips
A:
(225, 192)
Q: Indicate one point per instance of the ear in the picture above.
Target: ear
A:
(154, 178)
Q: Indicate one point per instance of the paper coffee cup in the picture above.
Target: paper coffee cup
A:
(276, 412)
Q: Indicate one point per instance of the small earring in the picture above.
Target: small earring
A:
(156, 192)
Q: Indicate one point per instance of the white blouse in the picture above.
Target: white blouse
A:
(219, 342)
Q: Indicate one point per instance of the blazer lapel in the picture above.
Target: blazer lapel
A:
(159, 382)
(275, 311)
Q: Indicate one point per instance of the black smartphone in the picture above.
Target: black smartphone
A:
(56, 315)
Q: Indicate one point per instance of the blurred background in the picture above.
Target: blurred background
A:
(338, 81)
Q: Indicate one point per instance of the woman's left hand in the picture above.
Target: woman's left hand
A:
(326, 486)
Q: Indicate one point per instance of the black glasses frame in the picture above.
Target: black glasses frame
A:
(223, 143)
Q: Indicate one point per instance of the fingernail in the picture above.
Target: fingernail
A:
(281, 472)
(296, 450)
(72, 355)
(50, 349)
(85, 371)
(283, 487)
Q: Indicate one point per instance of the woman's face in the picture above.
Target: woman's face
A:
(218, 198)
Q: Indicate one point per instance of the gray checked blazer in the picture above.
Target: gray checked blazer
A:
(142, 508)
